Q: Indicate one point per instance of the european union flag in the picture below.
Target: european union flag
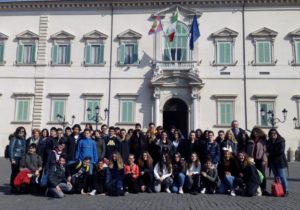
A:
(195, 33)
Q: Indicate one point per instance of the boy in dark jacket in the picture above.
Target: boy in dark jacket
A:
(57, 180)
(209, 178)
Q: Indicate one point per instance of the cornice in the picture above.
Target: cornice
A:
(106, 4)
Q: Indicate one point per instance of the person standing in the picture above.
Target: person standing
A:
(87, 148)
(236, 130)
(277, 158)
(17, 149)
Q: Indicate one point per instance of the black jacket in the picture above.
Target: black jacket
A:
(57, 175)
(277, 158)
(124, 150)
(234, 168)
(138, 144)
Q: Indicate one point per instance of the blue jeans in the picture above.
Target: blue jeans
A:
(280, 172)
(178, 182)
(226, 184)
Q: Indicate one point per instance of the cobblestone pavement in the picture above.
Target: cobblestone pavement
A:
(149, 201)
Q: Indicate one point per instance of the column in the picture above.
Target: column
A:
(195, 97)
(156, 96)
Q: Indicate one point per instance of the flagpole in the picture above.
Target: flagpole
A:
(155, 47)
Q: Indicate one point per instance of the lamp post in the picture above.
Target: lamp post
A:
(97, 117)
(296, 123)
(62, 120)
(272, 119)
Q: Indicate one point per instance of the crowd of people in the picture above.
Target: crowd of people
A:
(112, 161)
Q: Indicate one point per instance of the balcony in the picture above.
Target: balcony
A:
(175, 66)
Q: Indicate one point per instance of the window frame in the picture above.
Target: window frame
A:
(91, 96)
(224, 98)
(60, 43)
(261, 99)
(3, 62)
(132, 97)
(19, 97)
(57, 96)
(217, 55)
(92, 43)
(24, 43)
(296, 52)
(126, 43)
(257, 55)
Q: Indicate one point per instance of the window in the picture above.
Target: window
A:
(297, 52)
(225, 109)
(22, 110)
(61, 54)
(58, 108)
(1, 53)
(263, 40)
(92, 104)
(127, 108)
(26, 53)
(178, 49)
(94, 54)
(127, 103)
(128, 53)
(263, 52)
(266, 106)
(224, 52)
(225, 113)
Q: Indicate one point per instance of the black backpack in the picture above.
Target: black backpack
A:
(6, 151)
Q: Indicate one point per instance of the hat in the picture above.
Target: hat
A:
(228, 148)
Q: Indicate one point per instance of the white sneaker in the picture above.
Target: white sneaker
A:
(203, 191)
(259, 193)
(93, 192)
(168, 190)
(232, 193)
(180, 191)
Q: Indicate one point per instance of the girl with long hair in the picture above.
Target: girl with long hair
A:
(116, 167)
(193, 174)
(146, 172)
(162, 174)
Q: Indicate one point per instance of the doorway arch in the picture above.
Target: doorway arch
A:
(175, 113)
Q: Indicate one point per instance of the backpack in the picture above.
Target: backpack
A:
(260, 176)
(277, 188)
(6, 151)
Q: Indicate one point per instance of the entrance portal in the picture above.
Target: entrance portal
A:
(175, 112)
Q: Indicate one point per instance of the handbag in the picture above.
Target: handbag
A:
(44, 179)
(277, 188)
(260, 176)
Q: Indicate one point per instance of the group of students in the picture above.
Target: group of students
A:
(113, 161)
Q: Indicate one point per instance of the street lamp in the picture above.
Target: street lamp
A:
(97, 115)
(271, 118)
(296, 123)
(62, 120)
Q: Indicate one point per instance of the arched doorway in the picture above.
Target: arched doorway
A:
(175, 112)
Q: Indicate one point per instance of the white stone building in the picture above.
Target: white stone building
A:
(61, 57)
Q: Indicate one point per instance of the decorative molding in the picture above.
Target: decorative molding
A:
(185, 11)
(224, 96)
(58, 94)
(27, 35)
(156, 93)
(42, 43)
(38, 103)
(62, 35)
(263, 33)
(23, 94)
(225, 33)
(129, 34)
(87, 95)
(127, 95)
(3, 36)
(264, 96)
(295, 33)
(95, 34)
(296, 98)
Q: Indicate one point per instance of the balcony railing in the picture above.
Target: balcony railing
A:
(176, 65)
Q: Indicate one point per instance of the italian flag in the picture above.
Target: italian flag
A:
(172, 27)
(156, 26)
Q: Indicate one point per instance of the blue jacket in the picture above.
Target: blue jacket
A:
(87, 147)
(213, 151)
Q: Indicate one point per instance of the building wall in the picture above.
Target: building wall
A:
(283, 79)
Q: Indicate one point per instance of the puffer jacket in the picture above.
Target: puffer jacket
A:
(277, 158)
(17, 147)
(57, 175)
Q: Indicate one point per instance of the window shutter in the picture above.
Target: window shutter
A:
(227, 52)
(166, 55)
(88, 52)
(22, 110)
(228, 114)
(267, 53)
(59, 108)
(101, 54)
(130, 111)
(135, 53)
(223, 113)
(92, 104)
(221, 53)
(1, 53)
(20, 52)
(55, 54)
(68, 54)
(121, 54)
(261, 57)
(263, 119)
(32, 59)
(297, 52)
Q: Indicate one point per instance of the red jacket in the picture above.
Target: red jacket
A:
(22, 178)
(134, 170)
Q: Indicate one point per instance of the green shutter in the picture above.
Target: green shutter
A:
(121, 54)
(135, 53)
(127, 111)
(20, 52)
(166, 55)
(32, 59)
(88, 53)
(68, 54)
(227, 52)
(297, 55)
(260, 51)
(59, 108)
(267, 53)
(223, 113)
(264, 119)
(55, 54)
(1, 53)
(228, 113)
(92, 104)
(101, 54)
(22, 110)
(221, 53)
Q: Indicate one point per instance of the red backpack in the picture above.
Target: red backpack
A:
(277, 188)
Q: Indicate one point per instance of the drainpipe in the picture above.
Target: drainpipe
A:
(110, 63)
(244, 70)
